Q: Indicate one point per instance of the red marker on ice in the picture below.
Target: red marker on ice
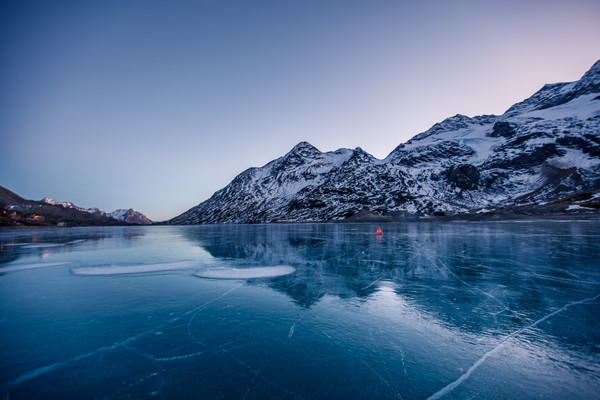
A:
(379, 231)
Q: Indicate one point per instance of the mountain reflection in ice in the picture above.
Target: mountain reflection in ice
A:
(307, 311)
(489, 267)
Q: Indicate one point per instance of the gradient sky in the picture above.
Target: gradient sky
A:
(155, 105)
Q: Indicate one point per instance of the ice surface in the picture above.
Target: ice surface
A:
(453, 385)
(483, 310)
(135, 269)
(247, 273)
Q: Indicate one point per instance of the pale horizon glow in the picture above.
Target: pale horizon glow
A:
(154, 105)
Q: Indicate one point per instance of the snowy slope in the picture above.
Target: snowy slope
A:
(545, 147)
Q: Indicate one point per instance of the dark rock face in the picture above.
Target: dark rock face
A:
(528, 157)
(503, 129)
(536, 157)
(464, 176)
(556, 182)
(365, 215)
(588, 144)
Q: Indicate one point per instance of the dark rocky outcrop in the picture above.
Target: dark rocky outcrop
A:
(365, 215)
(464, 176)
(503, 129)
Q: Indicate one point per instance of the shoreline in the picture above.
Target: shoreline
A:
(463, 218)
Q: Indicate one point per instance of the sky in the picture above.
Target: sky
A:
(155, 105)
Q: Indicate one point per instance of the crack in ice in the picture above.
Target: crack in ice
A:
(382, 379)
(137, 382)
(200, 308)
(387, 370)
(475, 288)
(450, 387)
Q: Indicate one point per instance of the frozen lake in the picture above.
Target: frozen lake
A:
(309, 311)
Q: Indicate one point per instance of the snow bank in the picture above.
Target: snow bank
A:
(247, 273)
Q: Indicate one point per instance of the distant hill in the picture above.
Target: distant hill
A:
(15, 210)
(124, 215)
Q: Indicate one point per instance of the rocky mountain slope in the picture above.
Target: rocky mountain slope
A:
(542, 152)
(14, 210)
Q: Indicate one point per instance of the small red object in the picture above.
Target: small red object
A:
(378, 230)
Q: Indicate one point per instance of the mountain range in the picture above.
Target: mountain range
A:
(541, 156)
(15, 210)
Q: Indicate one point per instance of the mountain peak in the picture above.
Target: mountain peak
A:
(595, 70)
(455, 122)
(590, 81)
(305, 149)
(304, 145)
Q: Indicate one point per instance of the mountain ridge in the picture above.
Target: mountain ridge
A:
(15, 210)
(122, 214)
(544, 148)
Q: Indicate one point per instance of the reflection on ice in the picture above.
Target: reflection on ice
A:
(135, 269)
(247, 273)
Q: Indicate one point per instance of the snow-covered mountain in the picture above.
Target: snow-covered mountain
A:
(129, 216)
(542, 149)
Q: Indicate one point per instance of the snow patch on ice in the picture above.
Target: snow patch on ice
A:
(134, 269)
(247, 273)
(41, 245)
(32, 266)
